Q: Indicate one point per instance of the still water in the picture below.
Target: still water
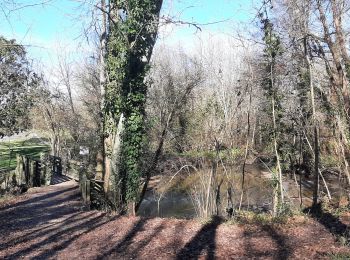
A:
(180, 203)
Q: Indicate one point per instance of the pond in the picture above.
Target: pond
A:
(178, 197)
(171, 205)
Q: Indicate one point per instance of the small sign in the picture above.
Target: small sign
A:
(84, 150)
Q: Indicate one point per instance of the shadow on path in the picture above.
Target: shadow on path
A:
(41, 231)
(37, 199)
(126, 241)
(283, 249)
(203, 240)
(147, 240)
(60, 238)
(332, 223)
(46, 223)
(77, 231)
(57, 179)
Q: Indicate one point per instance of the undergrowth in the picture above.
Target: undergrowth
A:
(249, 217)
(339, 256)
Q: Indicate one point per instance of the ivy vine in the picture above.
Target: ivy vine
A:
(133, 31)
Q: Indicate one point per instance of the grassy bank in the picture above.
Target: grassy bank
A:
(8, 150)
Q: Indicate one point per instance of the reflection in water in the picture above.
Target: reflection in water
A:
(172, 204)
(176, 200)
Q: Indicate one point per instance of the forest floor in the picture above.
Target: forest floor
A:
(51, 222)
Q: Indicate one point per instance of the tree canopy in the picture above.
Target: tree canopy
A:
(17, 83)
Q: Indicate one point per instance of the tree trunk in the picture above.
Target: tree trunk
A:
(130, 46)
(246, 148)
(300, 174)
(101, 154)
(317, 176)
(339, 73)
(314, 121)
(279, 169)
(111, 178)
(338, 17)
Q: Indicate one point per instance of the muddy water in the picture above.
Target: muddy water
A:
(171, 205)
(336, 186)
(177, 200)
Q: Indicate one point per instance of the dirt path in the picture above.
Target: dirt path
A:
(50, 222)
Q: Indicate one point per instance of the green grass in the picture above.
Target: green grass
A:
(339, 256)
(226, 154)
(8, 151)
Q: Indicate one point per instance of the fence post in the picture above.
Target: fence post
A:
(27, 171)
(37, 171)
(83, 189)
(42, 169)
(19, 169)
(49, 170)
(88, 192)
(59, 166)
(32, 173)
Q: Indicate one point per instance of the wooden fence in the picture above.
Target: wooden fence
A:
(56, 163)
(89, 188)
(31, 172)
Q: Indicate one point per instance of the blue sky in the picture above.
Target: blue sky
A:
(46, 29)
(226, 16)
(204, 11)
(42, 21)
(61, 23)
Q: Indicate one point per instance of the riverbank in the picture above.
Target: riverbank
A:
(51, 222)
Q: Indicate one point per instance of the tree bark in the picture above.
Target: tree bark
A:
(101, 154)
(112, 163)
(246, 148)
(339, 73)
(317, 176)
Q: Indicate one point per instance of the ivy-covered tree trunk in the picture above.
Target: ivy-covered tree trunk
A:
(100, 158)
(133, 32)
(273, 49)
